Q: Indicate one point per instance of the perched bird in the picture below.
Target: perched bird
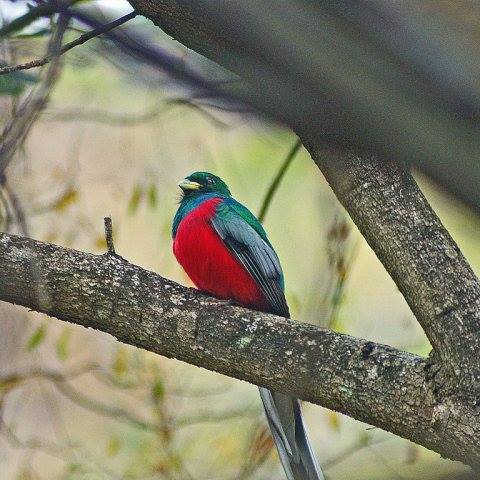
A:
(225, 251)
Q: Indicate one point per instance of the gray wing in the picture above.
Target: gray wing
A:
(255, 253)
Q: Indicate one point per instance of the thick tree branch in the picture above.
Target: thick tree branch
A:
(338, 70)
(371, 382)
(424, 261)
(381, 197)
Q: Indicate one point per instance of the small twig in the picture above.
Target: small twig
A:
(43, 10)
(212, 417)
(341, 281)
(126, 119)
(106, 117)
(100, 408)
(351, 450)
(278, 179)
(79, 41)
(15, 378)
(107, 221)
(41, 445)
(200, 109)
(6, 215)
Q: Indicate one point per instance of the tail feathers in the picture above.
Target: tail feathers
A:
(288, 431)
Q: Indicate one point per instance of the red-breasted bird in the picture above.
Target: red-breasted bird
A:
(225, 251)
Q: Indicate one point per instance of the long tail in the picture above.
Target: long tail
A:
(288, 431)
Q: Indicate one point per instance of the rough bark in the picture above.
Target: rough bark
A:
(371, 382)
(420, 255)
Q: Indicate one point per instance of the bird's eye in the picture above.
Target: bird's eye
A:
(210, 180)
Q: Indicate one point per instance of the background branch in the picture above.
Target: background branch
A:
(15, 132)
(75, 43)
(349, 81)
(277, 180)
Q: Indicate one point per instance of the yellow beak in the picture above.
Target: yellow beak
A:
(189, 185)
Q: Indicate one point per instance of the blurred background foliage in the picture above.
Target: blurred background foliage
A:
(115, 139)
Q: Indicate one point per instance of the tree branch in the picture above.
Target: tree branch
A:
(41, 10)
(277, 180)
(338, 71)
(17, 129)
(381, 197)
(75, 43)
(417, 251)
(107, 221)
(371, 382)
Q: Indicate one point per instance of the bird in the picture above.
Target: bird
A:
(225, 251)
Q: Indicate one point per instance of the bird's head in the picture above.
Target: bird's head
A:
(199, 183)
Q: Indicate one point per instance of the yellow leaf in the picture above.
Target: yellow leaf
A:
(120, 363)
(68, 198)
(113, 446)
(334, 420)
(134, 202)
(100, 243)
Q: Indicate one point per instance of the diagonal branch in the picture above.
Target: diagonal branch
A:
(381, 197)
(40, 62)
(443, 292)
(371, 382)
(267, 200)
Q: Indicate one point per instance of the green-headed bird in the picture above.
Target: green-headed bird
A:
(225, 251)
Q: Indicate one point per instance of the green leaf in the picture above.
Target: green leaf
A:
(364, 438)
(152, 195)
(62, 344)
(75, 467)
(158, 390)
(13, 84)
(134, 202)
(113, 446)
(37, 338)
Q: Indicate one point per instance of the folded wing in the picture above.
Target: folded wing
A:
(245, 238)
